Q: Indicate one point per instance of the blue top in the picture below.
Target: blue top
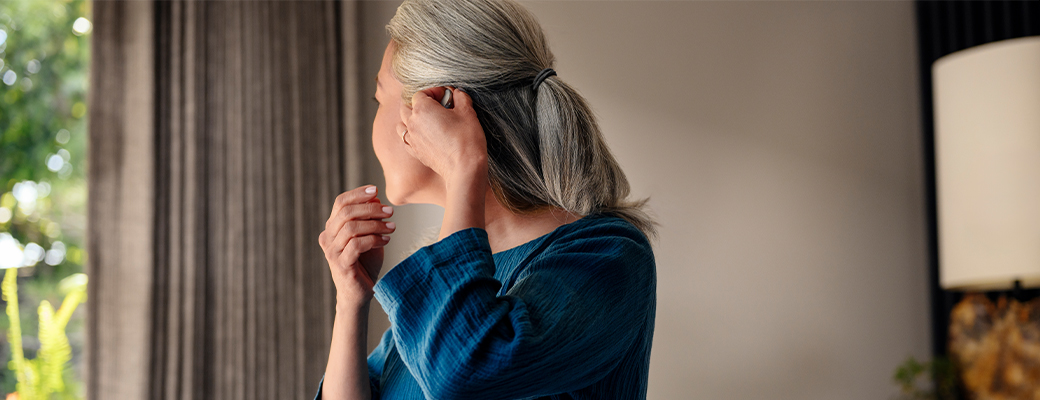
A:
(567, 315)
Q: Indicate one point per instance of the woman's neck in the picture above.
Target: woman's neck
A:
(507, 230)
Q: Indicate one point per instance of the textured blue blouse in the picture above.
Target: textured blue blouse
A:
(569, 315)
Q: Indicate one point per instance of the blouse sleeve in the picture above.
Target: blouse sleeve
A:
(563, 326)
(376, 360)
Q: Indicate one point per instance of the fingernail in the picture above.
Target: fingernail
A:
(391, 225)
(370, 189)
(388, 210)
(386, 238)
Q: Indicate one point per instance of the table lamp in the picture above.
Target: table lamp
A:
(987, 143)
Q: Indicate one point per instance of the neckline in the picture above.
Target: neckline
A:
(539, 239)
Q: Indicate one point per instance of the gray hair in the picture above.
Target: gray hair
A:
(544, 149)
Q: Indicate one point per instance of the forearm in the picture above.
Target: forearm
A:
(464, 203)
(346, 375)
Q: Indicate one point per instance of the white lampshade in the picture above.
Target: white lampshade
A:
(987, 143)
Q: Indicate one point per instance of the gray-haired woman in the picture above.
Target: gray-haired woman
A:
(542, 282)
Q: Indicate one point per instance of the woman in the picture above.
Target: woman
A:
(542, 283)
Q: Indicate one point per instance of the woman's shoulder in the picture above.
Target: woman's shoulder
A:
(602, 247)
(608, 225)
(601, 232)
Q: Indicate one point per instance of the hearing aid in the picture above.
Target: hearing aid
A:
(446, 100)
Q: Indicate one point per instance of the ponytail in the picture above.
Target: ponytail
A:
(580, 172)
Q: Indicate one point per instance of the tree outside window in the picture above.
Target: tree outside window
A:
(44, 56)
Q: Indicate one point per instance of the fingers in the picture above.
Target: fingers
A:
(401, 128)
(353, 230)
(369, 210)
(406, 111)
(435, 93)
(359, 245)
(426, 97)
(360, 194)
(407, 138)
(461, 99)
(422, 101)
(322, 238)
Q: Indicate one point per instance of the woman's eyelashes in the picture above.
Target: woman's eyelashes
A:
(375, 99)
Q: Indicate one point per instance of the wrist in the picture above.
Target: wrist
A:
(352, 306)
(471, 173)
(465, 202)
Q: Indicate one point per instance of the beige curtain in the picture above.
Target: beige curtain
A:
(220, 133)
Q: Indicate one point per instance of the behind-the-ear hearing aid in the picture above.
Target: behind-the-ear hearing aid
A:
(446, 100)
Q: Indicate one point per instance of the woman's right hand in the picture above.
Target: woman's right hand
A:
(353, 242)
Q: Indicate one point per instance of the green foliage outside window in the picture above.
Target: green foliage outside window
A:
(44, 56)
(44, 376)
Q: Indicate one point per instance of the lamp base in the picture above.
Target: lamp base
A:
(996, 348)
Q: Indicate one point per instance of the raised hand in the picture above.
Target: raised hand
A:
(353, 241)
(448, 140)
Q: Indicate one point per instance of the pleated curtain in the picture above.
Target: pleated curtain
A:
(220, 134)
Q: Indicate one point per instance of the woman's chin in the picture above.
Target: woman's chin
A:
(394, 198)
(399, 197)
(410, 191)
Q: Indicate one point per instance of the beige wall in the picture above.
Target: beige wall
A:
(779, 143)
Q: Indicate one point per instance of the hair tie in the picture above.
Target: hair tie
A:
(545, 73)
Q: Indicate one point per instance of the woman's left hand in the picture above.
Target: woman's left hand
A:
(448, 140)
